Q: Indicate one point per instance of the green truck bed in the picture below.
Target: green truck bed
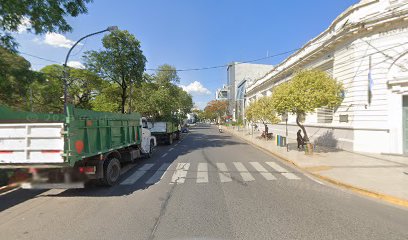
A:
(84, 133)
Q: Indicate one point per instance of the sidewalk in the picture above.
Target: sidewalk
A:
(380, 176)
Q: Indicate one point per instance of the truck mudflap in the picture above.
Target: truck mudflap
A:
(39, 185)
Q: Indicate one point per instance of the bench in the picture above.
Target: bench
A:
(269, 136)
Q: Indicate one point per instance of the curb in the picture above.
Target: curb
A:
(361, 191)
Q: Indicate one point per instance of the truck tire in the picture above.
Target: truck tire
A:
(111, 172)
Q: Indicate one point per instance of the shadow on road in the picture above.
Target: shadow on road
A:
(16, 197)
(191, 142)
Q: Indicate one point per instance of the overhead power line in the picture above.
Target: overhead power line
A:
(45, 59)
(224, 65)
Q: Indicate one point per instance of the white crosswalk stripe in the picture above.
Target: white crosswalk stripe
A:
(225, 176)
(258, 167)
(202, 173)
(137, 174)
(282, 171)
(180, 174)
(159, 174)
(181, 171)
(246, 176)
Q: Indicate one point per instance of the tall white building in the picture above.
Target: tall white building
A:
(238, 76)
(369, 38)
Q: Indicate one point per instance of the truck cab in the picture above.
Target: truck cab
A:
(148, 141)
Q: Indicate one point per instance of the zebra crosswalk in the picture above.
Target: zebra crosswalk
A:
(200, 173)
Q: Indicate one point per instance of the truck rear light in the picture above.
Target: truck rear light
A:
(87, 170)
(5, 152)
(50, 151)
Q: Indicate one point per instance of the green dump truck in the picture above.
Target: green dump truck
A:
(165, 132)
(68, 150)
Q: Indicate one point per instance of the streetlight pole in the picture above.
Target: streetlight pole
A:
(65, 72)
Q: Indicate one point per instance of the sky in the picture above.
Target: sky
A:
(192, 34)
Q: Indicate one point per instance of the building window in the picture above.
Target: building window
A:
(324, 115)
(344, 118)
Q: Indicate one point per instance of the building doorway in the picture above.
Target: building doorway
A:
(405, 123)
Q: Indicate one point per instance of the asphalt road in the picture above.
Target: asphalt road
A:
(208, 186)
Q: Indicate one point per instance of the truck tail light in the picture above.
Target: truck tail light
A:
(5, 152)
(88, 170)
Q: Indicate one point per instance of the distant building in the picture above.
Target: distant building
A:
(222, 93)
(238, 76)
(365, 48)
(191, 118)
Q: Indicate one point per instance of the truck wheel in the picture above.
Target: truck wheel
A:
(111, 172)
(151, 148)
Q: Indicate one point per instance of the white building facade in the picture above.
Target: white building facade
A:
(369, 38)
(238, 76)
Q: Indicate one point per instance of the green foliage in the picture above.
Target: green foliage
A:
(308, 90)
(159, 98)
(108, 100)
(219, 108)
(44, 16)
(15, 79)
(46, 94)
(121, 62)
(262, 110)
(166, 74)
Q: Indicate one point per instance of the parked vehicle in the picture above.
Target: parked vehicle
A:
(67, 151)
(165, 132)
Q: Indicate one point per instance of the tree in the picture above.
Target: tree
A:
(15, 79)
(262, 110)
(41, 15)
(160, 98)
(199, 114)
(121, 62)
(108, 100)
(46, 94)
(219, 108)
(308, 90)
(184, 102)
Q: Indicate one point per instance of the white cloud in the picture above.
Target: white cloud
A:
(24, 26)
(58, 40)
(75, 64)
(196, 88)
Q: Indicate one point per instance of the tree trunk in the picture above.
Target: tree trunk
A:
(305, 137)
(123, 100)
